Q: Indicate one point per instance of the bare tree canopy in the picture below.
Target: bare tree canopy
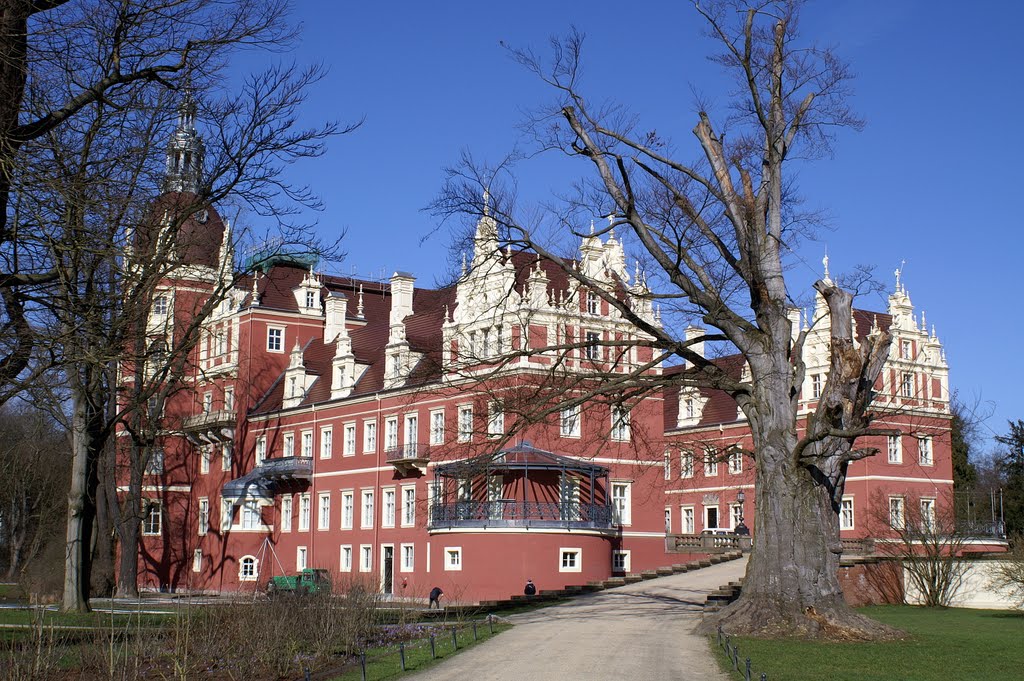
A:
(715, 234)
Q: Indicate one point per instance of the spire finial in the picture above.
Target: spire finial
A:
(185, 151)
(463, 263)
(487, 200)
(591, 226)
(359, 305)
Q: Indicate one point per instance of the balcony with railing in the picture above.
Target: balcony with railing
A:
(522, 514)
(408, 457)
(271, 476)
(211, 427)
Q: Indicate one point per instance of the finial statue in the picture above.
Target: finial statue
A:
(463, 263)
(359, 306)
(487, 200)
(824, 261)
(899, 274)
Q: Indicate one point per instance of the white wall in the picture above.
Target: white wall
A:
(976, 591)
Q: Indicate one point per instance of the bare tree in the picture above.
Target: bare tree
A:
(93, 87)
(716, 235)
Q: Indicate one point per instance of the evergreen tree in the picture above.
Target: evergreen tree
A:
(1010, 465)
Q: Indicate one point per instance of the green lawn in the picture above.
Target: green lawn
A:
(944, 645)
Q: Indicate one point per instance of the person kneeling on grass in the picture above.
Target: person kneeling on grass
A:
(435, 595)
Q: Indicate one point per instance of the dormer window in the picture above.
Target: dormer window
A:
(689, 408)
(160, 306)
(593, 303)
(905, 349)
(310, 299)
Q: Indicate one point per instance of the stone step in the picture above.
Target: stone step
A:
(632, 579)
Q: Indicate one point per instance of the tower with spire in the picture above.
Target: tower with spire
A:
(185, 150)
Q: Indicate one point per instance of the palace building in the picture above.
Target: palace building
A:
(412, 437)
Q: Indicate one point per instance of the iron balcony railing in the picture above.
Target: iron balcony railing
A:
(410, 451)
(512, 513)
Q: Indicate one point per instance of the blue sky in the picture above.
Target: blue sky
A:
(931, 180)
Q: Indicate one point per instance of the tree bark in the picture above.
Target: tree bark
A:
(76, 597)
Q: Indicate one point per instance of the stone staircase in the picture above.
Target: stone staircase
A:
(610, 583)
(723, 596)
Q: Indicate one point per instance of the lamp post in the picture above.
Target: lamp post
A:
(741, 528)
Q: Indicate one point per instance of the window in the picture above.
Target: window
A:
(711, 517)
(895, 449)
(391, 434)
(689, 408)
(289, 445)
(229, 399)
(621, 502)
(465, 423)
(152, 517)
(307, 443)
(905, 349)
(927, 515)
(204, 516)
(220, 340)
(227, 513)
(924, 448)
(908, 385)
(593, 303)
(735, 462)
(815, 386)
(365, 557)
(412, 429)
(620, 561)
(261, 449)
(735, 515)
(197, 560)
(570, 421)
(408, 558)
(275, 339)
(369, 436)
(286, 513)
(667, 463)
(571, 560)
(686, 515)
(592, 350)
(620, 422)
(205, 453)
(710, 463)
(304, 503)
(300, 559)
(348, 445)
(347, 509)
(327, 442)
(324, 511)
(366, 519)
(247, 571)
(207, 402)
(226, 451)
(896, 515)
(846, 514)
(685, 464)
(495, 419)
(251, 516)
(155, 463)
(345, 560)
(310, 299)
(160, 306)
(668, 520)
(408, 506)
(437, 427)
(453, 558)
(388, 517)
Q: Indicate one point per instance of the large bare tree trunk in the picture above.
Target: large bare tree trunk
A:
(76, 597)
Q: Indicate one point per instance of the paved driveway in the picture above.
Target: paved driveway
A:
(639, 631)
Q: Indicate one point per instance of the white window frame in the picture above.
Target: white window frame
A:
(897, 512)
(925, 450)
(408, 557)
(226, 453)
(305, 504)
(388, 507)
(620, 560)
(160, 305)
(301, 558)
(686, 464)
(495, 419)
(197, 560)
(570, 559)
(847, 518)
(437, 427)
(275, 339)
(453, 558)
(348, 444)
(261, 449)
(207, 402)
(227, 513)
(710, 463)
(667, 464)
(569, 421)
(391, 434)
(307, 444)
(465, 423)
(621, 430)
(927, 514)
(688, 519)
(735, 513)
(288, 445)
(250, 516)
(622, 501)
(409, 506)
(248, 569)
(366, 508)
(718, 517)
(348, 509)
(345, 558)
(204, 515)
(411, 434)
(365, 557)
(735, 462)
(229, 399)
(205, 455)
(148, 527)
(816, 384)
(593, 303)
(894, 448)
(326, 442)
(287, 509)
(323, 511)
(592, 348)
(369, 436)
(907, 384)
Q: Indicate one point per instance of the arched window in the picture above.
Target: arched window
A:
(248, 569)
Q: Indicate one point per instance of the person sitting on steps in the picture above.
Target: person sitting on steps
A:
(530, 589)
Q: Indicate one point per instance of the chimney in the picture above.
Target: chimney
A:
(401, 296)
(696, 332)
(336, 307)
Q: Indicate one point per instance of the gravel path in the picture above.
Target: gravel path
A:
(639, 631)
